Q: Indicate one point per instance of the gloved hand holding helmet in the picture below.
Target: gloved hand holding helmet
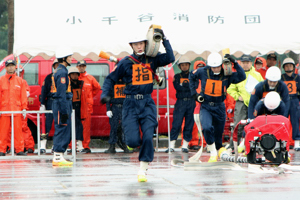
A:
(109, 114)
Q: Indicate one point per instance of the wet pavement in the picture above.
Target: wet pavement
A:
(114, 176)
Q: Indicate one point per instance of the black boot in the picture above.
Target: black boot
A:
(111, 149)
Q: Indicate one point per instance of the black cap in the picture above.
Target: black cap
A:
(246, 58)
(259, 61)
(272, 55)
(82, 62)
(10, 61)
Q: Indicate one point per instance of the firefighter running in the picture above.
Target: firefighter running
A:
(139, 110)
(213, 93)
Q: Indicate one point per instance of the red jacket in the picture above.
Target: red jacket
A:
(262, 70)
(12, 93)
(229, 104)
(90, 88)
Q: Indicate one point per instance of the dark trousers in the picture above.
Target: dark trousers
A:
(115, 124)
(136, 115)
(213, 119)
(294, 117)
(49, 116)
(183, 109)
(62, 135)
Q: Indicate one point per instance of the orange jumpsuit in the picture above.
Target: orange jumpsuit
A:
(28, 139)
(13, 98)
(91, 88)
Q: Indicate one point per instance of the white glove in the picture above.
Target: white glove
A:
(28, 93)
(42, 108)
(109, 114)
(229, 110)
(24, 114)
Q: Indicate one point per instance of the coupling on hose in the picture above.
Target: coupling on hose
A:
(198, 98)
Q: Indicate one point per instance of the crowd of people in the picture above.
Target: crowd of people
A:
(205, 97)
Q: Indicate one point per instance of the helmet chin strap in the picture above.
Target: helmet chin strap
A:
(289, 71)
(140, 54)
(65, 59)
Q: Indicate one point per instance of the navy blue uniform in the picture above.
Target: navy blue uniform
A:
(261, 109)
(139, 110)
(184, 107)
(76, 87)
(62, 104)
(47, 99)
(261, 90)
(213, 90)
(293, 85)
(115, 105)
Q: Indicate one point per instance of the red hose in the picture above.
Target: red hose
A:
(235, 132)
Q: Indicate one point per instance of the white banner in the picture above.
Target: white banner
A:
(194, 27)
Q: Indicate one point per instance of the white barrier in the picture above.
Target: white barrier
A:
(73, 137)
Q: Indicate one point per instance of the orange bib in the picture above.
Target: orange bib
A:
(141, 75)
(213, 88)
(119, 91)
(291, 85)
(184, 80)
(76, 95)
(264, 94)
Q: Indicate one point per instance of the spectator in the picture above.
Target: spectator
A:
(260, 65)
(13, 98)
(241, 93)
(92, 87)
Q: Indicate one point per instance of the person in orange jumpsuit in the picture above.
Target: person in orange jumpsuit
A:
(28, 139)
(92, 88)
(13, 98)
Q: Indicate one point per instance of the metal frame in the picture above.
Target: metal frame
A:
(73, 134)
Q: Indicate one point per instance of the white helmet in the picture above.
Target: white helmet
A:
(73, 70)
(63, 52)
(138, 38)
(214, 60)
(273, 74)
(184, 59)
(288, 60)
(272, 100)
